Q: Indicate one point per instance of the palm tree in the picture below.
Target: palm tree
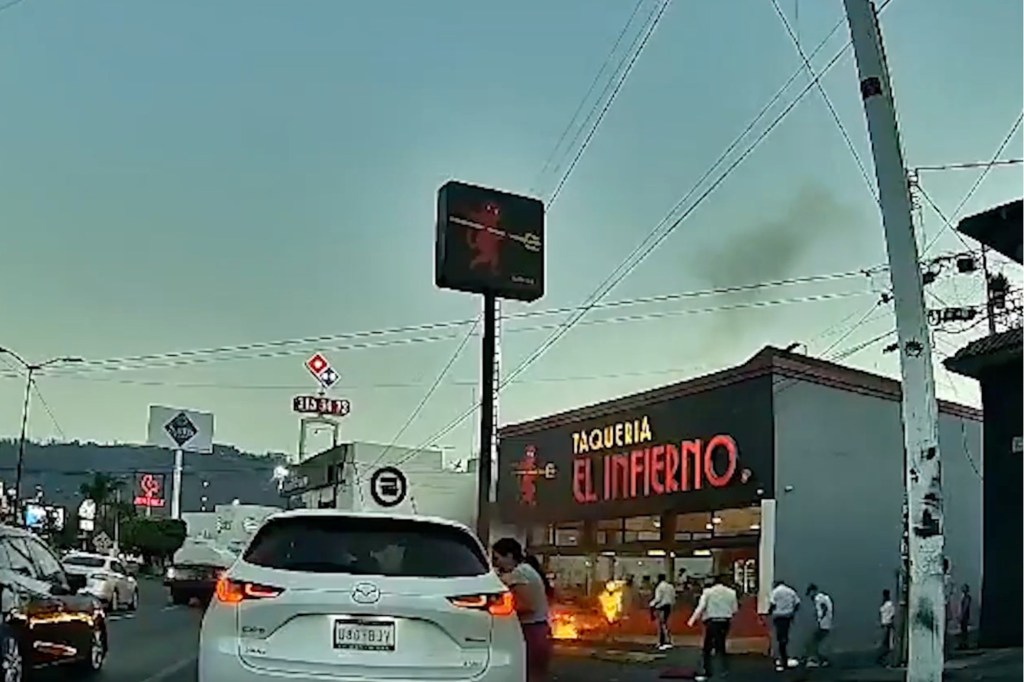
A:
(101, 489)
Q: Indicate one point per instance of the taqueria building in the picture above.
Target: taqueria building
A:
(783, 467)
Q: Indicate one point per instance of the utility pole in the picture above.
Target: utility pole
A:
(487, 390)
(30, 370)
(990, 309)
(926, 612)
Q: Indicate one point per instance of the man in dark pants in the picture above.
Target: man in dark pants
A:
(782, 606)
(718, 604)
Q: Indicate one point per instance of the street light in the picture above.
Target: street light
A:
(30, 369)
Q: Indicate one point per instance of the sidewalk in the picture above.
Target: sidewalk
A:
(576, 662)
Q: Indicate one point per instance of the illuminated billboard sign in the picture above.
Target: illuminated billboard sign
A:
(149, 490)
(698, 452)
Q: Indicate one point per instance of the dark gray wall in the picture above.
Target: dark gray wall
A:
(839, 524)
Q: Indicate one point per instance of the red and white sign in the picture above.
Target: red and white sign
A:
(149, 490)
(322, 370)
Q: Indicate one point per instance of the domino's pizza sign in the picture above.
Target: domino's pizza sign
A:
(173, 428)
(322, 371)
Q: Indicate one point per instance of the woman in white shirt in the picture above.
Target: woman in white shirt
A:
(530, 589)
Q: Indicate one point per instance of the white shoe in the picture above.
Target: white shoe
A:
(792, 663)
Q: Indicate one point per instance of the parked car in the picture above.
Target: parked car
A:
(45, 622)
(106, 578)
(324, 594)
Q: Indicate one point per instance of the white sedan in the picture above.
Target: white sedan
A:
(106, 578)
(322, 595)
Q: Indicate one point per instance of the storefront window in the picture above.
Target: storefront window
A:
(569, 534)
(729, 522)
(610, 531)
(642, 529)
(541, 536)
(696, 526)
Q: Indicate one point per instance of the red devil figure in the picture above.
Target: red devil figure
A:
(485, 241)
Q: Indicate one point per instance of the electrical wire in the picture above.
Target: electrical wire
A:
(48, 409)
(948, 224)
(426, 397)
(9, 4)
(586, 98)
(636, 52)
(828, 102)
(969, 165)
(288, 347)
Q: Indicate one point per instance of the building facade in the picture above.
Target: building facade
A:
(783, 467)
(343, 478)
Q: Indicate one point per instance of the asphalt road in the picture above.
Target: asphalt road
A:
(158, 644)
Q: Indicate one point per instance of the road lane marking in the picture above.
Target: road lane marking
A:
(170, 670)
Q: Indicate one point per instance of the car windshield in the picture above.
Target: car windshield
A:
(84, 561)
(362, 546)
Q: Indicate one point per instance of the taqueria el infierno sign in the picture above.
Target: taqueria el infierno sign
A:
(623, 460)
(688, 454)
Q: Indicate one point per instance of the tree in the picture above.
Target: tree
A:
(153, 538)
(102, 489)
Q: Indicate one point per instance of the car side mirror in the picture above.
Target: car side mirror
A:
(76, 582)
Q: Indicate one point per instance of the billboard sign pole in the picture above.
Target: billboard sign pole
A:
(180, 431)
(491, 243)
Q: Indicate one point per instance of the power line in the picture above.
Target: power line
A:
(9, 4)
(586, 98)
(49, 411)
(426, 397)
(970, 165)
(977, 182)
(611, 99)
(828, 102)
(283, 348)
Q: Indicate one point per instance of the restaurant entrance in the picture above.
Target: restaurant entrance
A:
(604, 572)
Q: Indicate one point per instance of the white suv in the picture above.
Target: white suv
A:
(324, 595)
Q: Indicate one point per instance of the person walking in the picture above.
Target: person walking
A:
(661, 606)
(783, 604)
(823, 626)
(964, 617)
(887, 621)
(717, 605)
(530, 588)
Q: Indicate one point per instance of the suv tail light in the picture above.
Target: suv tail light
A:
(234, 591)
(501, 604)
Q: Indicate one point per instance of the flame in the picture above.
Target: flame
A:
(611, 600)
(563, 626)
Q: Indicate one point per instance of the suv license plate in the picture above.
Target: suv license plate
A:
(364, 635)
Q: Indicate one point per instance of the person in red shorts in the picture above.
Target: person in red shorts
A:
(530, 589)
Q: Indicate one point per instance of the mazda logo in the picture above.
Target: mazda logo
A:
(365, 593)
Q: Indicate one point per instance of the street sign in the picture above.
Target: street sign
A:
(102, 542)
(388, 487)
(489, 242)
(173, 428)
(322, 370)
(311, 404)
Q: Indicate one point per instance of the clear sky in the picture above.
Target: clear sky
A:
(205, 173)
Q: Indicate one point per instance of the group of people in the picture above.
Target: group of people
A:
(715, 609)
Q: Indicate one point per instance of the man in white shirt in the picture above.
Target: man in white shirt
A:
(823, 615)
(661, 606)
(717, 605)
(782, 606)
(887, 619)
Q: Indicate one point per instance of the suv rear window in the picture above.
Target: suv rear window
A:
(85, 561)
(366, 546)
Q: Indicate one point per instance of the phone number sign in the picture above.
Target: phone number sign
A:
(322, 405)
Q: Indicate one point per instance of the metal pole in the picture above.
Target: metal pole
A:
(483, 505)
(176, 485)
(926, 613)
(990, 309)
(21, 445)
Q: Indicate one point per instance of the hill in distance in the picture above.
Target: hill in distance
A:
(59, 469)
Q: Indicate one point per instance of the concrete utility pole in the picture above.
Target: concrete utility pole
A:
(926, 613)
